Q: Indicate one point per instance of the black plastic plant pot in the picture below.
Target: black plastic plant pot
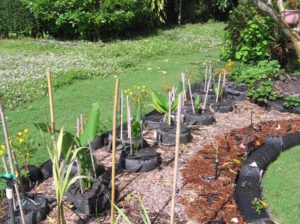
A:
(119, 143)
(222, 107)
(144, 160)
(35, 208)
(34, 177)
(206, 118)
(99, 141)
(46, 169)
(166, 134)
(278, 105)
(93, 201)
(211, 97)
(236, 91)
(152, 120)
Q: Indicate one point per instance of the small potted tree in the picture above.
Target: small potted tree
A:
(166, 133)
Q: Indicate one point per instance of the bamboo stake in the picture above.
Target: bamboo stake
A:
(205, 81)
(81, 123)
(170, 108)
(183, 86)
(51, 104)
(122, 106)
(129, 124)
(9, 154)
(173, 94)
(18, 172)
(206, 94)
(4, 164)
(78, 173)
(210, 73)
(218, 91)
(113, 166)
(191, 96)
(176, 159)
(77, 128)
(92, 159)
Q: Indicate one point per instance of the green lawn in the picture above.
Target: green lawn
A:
(153, 61)
(282, 187)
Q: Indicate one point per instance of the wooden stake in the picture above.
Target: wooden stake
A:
(4, 164)
(92, 159)
(205, 81)
(218, 91)
(122, 107)
(176, 159)
(51, 104)
(206, 94)
(129, 124)
(210, 73)
(77, 128)
(9, 154)
(113, 166)
(191, 96)
(81, 123)
(173, 94)
(170, 108)
(183, 86)
(78, 173)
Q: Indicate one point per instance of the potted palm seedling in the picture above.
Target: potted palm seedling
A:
(166, 133)
(137, 155)
(221, 105)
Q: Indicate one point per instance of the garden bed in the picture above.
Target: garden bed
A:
(155, 186)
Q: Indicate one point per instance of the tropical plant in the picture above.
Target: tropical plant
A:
(161, 104)
(61, 170)
(198, 105)
(291, 101)
(219, 91)
(138, 94)
(136, 127)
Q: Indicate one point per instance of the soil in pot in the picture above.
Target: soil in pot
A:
(166, 134)
(222, 107)
(200, 118)
(35, 209)
(236, 91)
(93, 201)
(144, 160)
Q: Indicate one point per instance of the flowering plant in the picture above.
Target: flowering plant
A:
(137, 94)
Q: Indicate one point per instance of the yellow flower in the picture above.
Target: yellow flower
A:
(144, 87)
(26, 131)
(125, 91)
(1, 152)
(229, 65)
(19, 133)
(138, 87)
(10, 141)
(130, 93)
(144, 90)
(223, 71)
(20, 140)
(2, 147)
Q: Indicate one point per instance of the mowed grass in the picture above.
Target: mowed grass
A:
(76, 98)
(281, 187)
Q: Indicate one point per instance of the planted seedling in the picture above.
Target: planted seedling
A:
(291, 101)
(258, 205)
(161, 103)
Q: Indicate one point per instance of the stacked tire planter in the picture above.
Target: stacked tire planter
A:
(248, 185)
(166, 134)
(206, 118)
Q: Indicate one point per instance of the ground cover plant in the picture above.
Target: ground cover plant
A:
(279, 195)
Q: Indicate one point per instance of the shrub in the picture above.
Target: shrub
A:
(248, 34)
(15, 19)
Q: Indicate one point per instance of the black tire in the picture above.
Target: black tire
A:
(145, 160)
(236, 91)
(167, 134)
(222, 107)
(206, 118)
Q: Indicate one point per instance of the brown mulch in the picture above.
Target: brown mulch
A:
(195, 164)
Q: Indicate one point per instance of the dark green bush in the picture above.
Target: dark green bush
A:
(15, 19)
(248, 35)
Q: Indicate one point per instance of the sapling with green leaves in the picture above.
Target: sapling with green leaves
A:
(61, 171)
(291, 101)
(218, 89)
(161, 104)
(136, 128)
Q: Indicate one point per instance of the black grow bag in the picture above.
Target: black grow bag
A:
(99, 141)
(278, 105)
(207, 118)
(222, 107)
(144, 160)
(46, 169)
(35, 208)
(236, 91)
(167, 134)
(248, 185)
(92, 201)
(34, 177)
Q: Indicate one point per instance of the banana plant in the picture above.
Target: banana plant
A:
(136, 127)
(161, 104)
(198, 105)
